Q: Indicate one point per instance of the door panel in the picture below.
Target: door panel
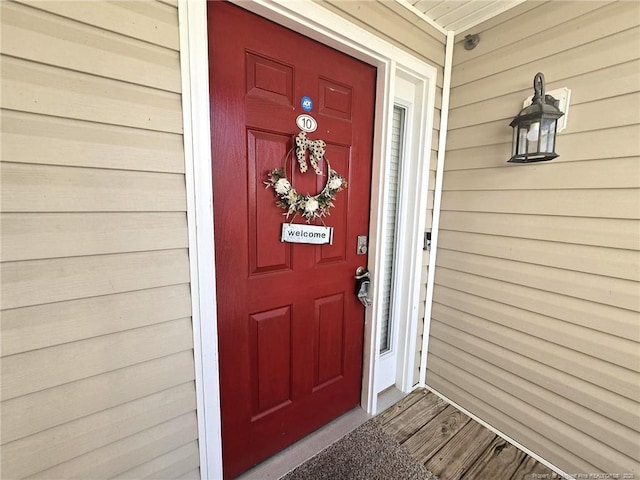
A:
(270, 337)
(262, 148)
(290, 329)
(328, 341)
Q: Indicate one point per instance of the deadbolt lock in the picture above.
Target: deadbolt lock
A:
(361, 248)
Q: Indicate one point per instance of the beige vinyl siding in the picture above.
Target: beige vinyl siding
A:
(96, 336)
(536, 325)
(396, 25)
(401, 27)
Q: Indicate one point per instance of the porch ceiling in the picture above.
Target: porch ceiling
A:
(458, 15)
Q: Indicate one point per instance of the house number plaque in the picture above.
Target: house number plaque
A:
(306, 123)
(314, 234)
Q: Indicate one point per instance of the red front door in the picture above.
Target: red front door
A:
(290, 327)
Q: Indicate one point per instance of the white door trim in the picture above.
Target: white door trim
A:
(197, 153)
(314, 21)
(413, 214)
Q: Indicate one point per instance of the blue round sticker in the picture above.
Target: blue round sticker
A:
(306, 103)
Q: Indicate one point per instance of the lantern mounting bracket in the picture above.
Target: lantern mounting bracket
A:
(560, 98)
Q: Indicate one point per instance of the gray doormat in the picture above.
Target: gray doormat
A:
(367, 453)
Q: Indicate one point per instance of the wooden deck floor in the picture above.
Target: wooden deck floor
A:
(452, 445)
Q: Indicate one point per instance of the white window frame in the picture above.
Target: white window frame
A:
(396, 367)
(314, 21)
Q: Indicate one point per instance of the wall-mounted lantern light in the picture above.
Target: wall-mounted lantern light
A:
(535, 127)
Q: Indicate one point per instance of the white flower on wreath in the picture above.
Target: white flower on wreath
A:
(292, 196)
(282, 186)
(311, 205)
(335, 183)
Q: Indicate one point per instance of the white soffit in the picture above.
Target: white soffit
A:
(458, 15)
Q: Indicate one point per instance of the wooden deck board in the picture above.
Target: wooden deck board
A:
(453, 446)
(433, 436)
(500, 460)
(530, 467)
(417, 416)
(396, 409)
(461, 451)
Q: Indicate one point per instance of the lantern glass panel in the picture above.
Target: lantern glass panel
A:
(551, 147)
(522, 139)
(532, 137)
(534, 130)
(544, 136)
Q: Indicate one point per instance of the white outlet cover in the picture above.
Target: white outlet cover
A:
(564, 96)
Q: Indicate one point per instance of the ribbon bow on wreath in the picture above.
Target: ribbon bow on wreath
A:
(316, 152)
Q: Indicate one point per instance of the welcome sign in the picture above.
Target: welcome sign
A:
(314, 234)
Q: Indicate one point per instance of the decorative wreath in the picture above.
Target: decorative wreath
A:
(294, 203)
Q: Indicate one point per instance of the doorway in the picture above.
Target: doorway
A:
(290, 328)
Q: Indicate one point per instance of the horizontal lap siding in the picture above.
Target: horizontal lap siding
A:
(536, 317)
(96, 337)
(403, 28)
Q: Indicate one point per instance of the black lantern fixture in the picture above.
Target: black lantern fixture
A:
(535, 127)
